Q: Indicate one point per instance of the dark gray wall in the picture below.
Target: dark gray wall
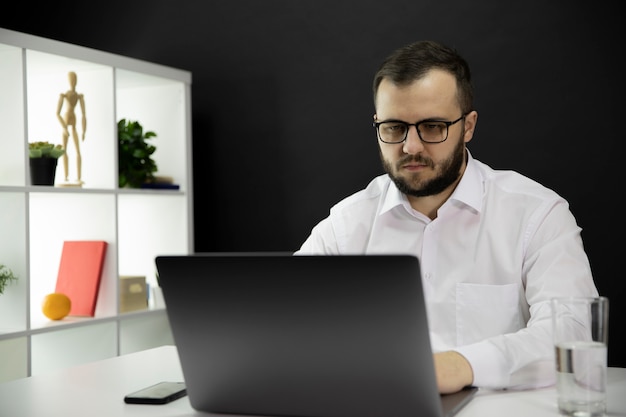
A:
(282, 103)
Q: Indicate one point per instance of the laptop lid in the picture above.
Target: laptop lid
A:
(317, 336)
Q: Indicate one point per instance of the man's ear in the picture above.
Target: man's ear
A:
(470, 125)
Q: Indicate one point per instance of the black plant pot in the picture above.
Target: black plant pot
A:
(42, 171)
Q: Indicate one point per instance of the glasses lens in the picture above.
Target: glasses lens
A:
(433, 131)
(392, 132)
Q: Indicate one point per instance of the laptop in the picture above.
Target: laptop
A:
(304, 336)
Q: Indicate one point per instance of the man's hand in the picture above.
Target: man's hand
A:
(453, 372)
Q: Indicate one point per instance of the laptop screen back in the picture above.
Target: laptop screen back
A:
(322, 336)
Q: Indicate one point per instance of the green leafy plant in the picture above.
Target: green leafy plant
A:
(44, 150)
(6, 277)
(136, 166)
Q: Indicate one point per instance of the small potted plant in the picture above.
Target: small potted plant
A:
(136, 166)
(6, 277)
(43, 158)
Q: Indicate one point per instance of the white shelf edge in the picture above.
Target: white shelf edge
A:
(76, 322)
(36, 43)
(69, 190)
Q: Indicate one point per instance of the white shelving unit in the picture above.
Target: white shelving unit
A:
(138, 224)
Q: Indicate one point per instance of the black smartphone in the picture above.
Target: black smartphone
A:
(161, 393)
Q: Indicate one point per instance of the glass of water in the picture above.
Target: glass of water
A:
(580, 327)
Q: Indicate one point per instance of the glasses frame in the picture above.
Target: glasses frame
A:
(376, 125)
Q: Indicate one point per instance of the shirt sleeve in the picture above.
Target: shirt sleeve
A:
(321, 240)
(555, 265)
(492, 368)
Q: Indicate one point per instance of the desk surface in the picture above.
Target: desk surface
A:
(97, 389)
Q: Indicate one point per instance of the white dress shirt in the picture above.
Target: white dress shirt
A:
(499, 249)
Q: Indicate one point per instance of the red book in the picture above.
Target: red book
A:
(79, 276)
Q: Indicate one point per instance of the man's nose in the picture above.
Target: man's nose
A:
(413, 144)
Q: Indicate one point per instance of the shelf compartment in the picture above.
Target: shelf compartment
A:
(14, 354)
(150, 224)
(73, 346)
(47, 78)
(56, 217)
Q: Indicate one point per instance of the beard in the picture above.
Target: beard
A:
(446, 174)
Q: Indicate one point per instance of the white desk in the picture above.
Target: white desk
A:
(97, 390)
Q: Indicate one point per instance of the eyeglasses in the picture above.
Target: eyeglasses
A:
(429, 131)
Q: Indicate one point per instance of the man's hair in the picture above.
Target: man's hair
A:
(413, 61)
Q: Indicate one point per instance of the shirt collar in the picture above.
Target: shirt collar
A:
(469, 191)
(394, 198)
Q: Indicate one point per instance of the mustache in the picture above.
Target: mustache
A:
(415, 159)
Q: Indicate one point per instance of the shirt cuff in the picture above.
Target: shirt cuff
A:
(488, 365)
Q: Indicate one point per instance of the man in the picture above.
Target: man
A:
(494, 246)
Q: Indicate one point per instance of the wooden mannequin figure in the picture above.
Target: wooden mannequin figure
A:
(71, 97)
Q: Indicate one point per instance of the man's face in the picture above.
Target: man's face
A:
(424, 169)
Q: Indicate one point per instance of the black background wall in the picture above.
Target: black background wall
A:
(282, 104)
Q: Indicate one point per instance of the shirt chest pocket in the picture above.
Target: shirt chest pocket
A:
(483, 311)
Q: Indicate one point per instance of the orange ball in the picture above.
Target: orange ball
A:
(56, 306)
